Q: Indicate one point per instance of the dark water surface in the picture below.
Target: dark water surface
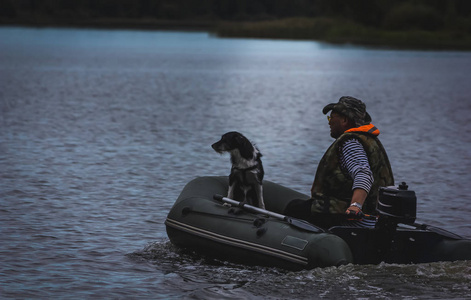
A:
(100, 130)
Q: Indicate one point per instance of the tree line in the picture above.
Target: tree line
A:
(392, 15)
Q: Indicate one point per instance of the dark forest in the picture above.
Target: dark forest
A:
(430, 23)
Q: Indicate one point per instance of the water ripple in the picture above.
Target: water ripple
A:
(99, 137)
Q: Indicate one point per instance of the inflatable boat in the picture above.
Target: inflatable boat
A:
(203, 221)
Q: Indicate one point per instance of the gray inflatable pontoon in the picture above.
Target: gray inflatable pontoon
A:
(211, 227)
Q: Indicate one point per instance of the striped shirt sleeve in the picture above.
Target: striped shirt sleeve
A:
(355, 161)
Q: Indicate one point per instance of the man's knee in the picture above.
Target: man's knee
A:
(299, 208)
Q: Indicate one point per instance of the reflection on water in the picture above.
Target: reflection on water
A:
(102, 129)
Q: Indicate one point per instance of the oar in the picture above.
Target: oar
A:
(292, 221)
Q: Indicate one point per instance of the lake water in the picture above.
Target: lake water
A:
(101, 129)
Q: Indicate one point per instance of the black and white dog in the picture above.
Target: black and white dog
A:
(245, 180)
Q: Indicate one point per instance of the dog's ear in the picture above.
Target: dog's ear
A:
(246, 148)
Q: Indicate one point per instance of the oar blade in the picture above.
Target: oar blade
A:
(304, 225)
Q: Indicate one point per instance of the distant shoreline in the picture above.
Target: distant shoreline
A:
(318, 29)
(104, 23)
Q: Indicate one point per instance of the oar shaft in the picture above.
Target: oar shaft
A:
(251, 208)
(301, 224)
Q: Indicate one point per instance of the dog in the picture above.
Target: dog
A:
(245, 180)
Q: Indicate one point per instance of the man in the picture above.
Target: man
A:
(352, 169)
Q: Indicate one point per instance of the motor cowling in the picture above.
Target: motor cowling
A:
(397, 203)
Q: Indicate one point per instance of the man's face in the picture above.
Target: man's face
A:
(338, 124)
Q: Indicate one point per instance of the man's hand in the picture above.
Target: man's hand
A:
(353, 210)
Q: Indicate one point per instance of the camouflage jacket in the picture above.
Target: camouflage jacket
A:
(332, 187)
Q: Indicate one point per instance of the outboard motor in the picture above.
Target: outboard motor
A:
(395, 205)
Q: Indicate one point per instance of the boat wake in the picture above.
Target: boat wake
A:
(207, 278)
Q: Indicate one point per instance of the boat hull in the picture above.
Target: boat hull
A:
(200, 223)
